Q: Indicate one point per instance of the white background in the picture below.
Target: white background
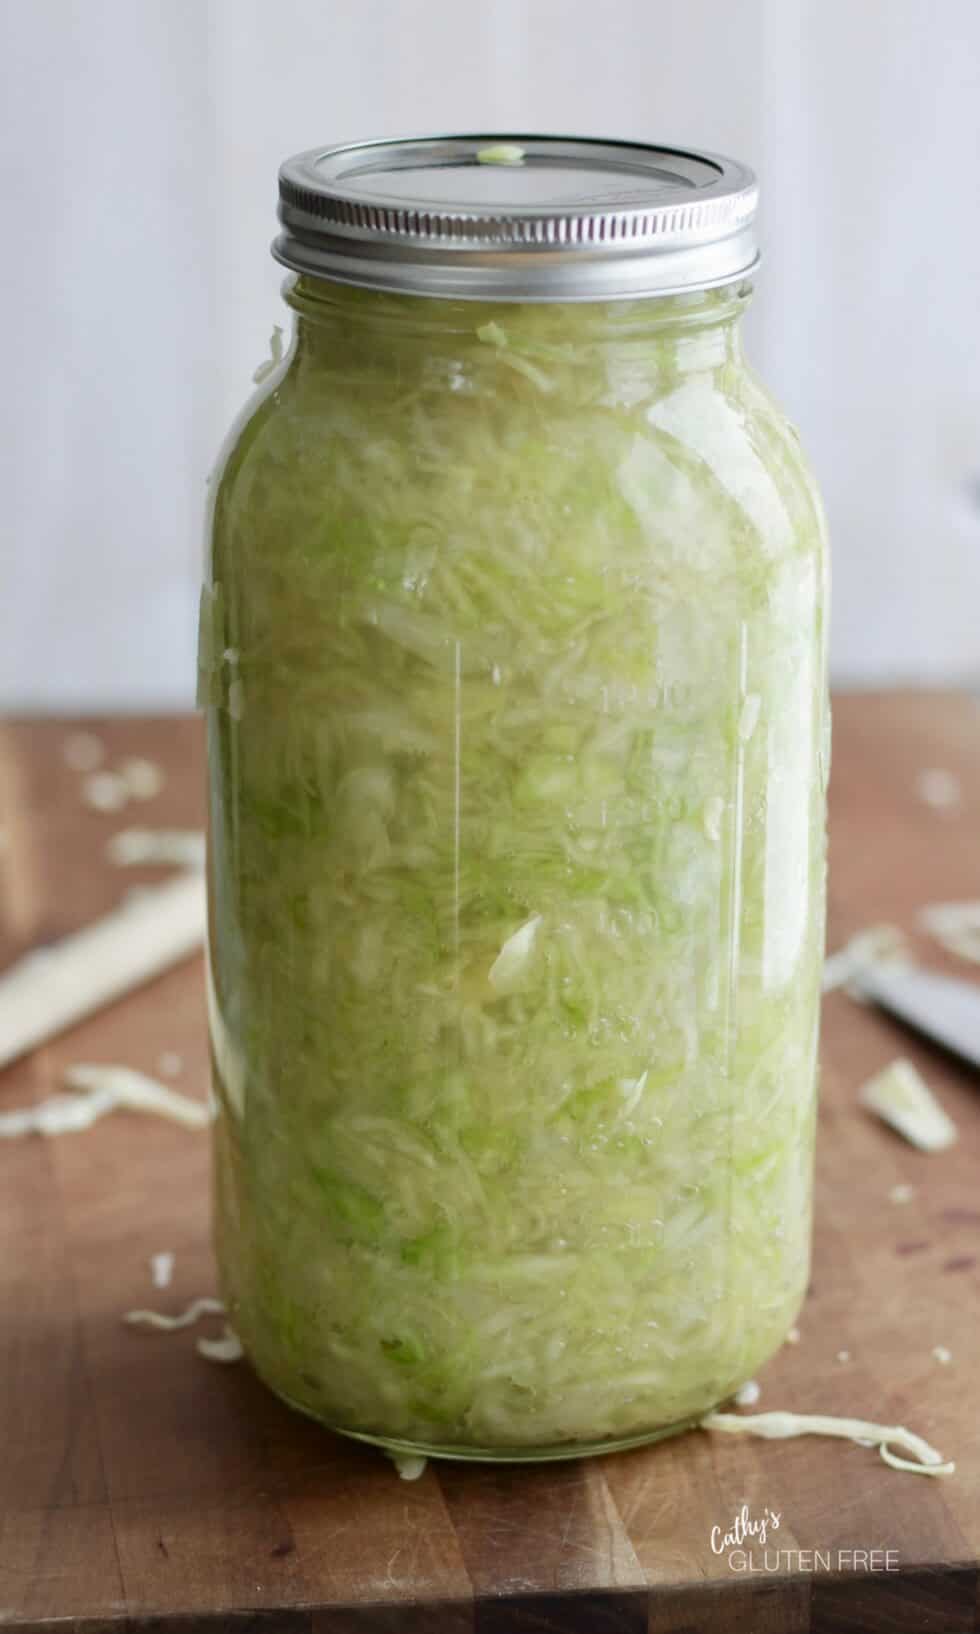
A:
(137, 179)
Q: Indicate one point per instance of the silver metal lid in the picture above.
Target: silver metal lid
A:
(517, 218)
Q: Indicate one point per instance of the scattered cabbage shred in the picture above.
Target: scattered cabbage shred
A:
(272, 362)
(901, 1193)
(138, 847)
(104, 1089)
(879, 944)
(205, 1306)
(901, 1096)
(410, 1466)
(781, 1426)
(227, 1348)
(138, 1092)
(105, 791)
(55, 986)
(513, 659)
(162, 1269)
(939, 788)
(955, 926)
(143, 778)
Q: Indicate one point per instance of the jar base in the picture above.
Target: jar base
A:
(519, 1455)
(457, 1453)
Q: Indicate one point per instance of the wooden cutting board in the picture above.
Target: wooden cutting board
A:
(143, 1488)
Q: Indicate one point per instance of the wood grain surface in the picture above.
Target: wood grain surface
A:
(143, 1489)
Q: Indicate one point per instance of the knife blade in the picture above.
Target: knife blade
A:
(943, 1007)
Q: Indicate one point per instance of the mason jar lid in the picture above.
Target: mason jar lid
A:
(518, 218)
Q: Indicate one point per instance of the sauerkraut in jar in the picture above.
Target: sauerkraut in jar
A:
(512, 649)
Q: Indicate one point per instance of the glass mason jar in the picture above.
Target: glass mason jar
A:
(512, 648)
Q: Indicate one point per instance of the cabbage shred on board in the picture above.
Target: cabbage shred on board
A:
(512, 650)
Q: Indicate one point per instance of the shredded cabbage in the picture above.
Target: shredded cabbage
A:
(901, 1097)
(955, 926)
(143, 778)
(162, 1268)
(881, 944)
(205, 1306)
(226, 1349)
(102, 1089)
(783, 1426)
(138, 847)
(512, 647)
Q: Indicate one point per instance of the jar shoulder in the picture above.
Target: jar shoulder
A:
(244, 450)
(738, 440)
(711, 444)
